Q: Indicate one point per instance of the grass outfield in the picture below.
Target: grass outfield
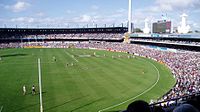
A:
(90, 85)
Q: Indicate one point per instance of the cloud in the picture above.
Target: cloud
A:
(18, 6)
(171, 5)
(122, 10)
(70, 11)
(119, 13)
(85, 18)
(94, 7)
(40, 14)
(82, 19)
(23, 20)
(36, 21)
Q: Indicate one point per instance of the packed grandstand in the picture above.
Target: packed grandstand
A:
(184, 64)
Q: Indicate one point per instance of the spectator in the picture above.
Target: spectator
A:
(185, 108)
(138, 106)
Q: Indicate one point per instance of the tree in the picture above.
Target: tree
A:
(197, 31)
(190, 32)
(138, 30)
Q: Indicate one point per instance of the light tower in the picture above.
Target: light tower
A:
(127, 34)
(130, 16)
(184, 28)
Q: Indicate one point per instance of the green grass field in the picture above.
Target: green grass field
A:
(93, 83)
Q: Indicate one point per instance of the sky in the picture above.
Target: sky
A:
(83, 13)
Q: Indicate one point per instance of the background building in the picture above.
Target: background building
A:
(184, 28)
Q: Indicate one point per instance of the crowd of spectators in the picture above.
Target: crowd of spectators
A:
(10, 45)
(104, 36)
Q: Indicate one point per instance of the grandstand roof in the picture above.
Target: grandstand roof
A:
(24, 31)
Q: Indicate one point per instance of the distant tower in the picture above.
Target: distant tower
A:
(130, 16)
(127, 35)
(146, 29)
(184, 28)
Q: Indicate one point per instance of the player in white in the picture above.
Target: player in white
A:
(54, 58)
(33, 90)
(24, 89)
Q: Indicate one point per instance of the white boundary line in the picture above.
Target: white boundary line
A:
(1, 109)
(158, 74)
(40, 85)
(71, 56)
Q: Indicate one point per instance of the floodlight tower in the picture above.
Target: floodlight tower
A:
(130, 16)
(127, 34)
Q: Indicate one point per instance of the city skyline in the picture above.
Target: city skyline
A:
(80, 13)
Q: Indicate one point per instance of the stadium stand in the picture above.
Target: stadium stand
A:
(183, 64)
(167, 41)
(186, 42)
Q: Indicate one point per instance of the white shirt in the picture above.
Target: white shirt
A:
(24, 88)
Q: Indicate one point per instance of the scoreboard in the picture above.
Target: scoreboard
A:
(162, 27)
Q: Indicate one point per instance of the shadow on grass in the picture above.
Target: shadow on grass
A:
(37, 93)
(29, 106)
(69, 101)
(86, 105)
(13, 55)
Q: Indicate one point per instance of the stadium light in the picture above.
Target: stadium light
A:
(130, 16)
